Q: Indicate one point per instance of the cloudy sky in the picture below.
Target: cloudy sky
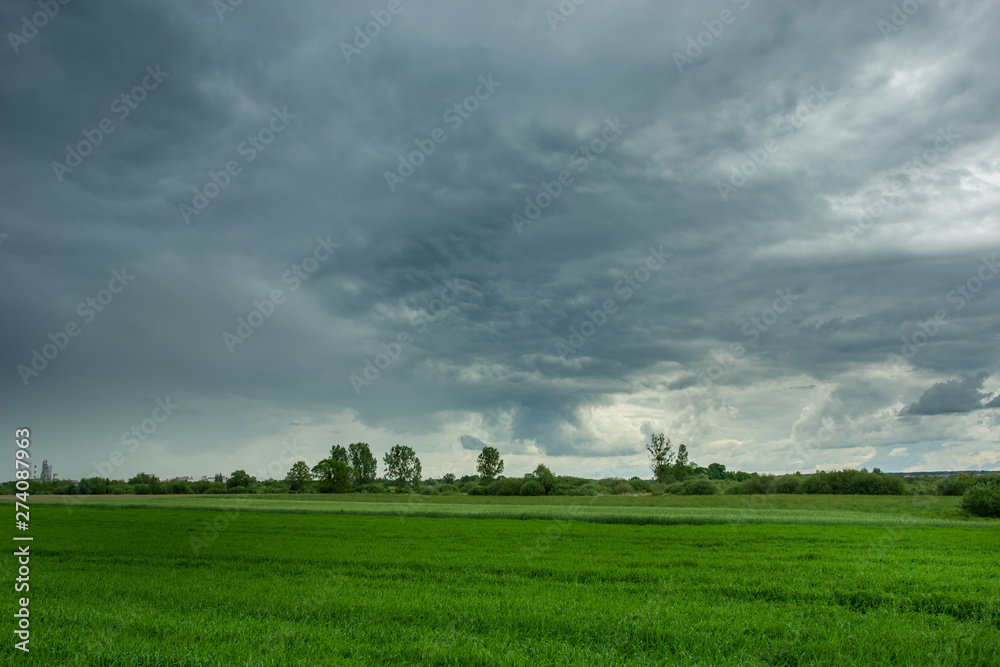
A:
(250, 232)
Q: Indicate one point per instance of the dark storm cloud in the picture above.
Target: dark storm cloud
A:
(698, 347)
(954, 396)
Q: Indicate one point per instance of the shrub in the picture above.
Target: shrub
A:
(816, 484)
(656, 488)
(640, 485)
(372, 488)
(509, 487)
(622, 488)
(955, 486)
(532, 488)
(676, 487)
(700, 487)
(787, 484)
(475, 490)
(983, 497)
(755, 485)
(141, 489)
(216, 489)
(428, 490)
(588, 489)
(237, 489)
(446, 489)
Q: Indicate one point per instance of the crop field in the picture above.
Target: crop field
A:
(245, 582)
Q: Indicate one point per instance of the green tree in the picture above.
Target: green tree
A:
(681, 468)
(402, 466)
(661, 456)
(544, 477)
(489, 464)
(716, 471)
(338, 453)
(240, 478)
(365, 465)
(334, 476)
(448, 478)
(299, 476)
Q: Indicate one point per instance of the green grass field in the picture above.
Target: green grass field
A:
(222, 583)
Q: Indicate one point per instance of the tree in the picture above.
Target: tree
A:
(661, 458)
(681, 468)
(544, 477)
(403, 466)
(240, 478)
(338, 453)
(299, 476)
(448, 478)
(334, 476)
(716, 471)
(489, 464)
(365, 465)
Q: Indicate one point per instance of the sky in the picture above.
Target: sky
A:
(233, 235)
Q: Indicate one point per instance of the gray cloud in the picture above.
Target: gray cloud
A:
(663, 359)
(952, 397)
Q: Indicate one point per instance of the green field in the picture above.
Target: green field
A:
(298, 584)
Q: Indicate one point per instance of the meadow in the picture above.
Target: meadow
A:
(223, 583)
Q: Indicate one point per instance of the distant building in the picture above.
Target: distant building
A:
(46, 472)
(185, 478)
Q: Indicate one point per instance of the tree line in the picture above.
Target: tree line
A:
(355, 469)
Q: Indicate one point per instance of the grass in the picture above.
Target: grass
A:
(125, 586)
(667, 509)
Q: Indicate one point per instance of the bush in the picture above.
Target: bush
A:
(508, 487)
(816, 484)
(588, 489)
(755, 485)
(656, 488)
(237, 489)
(700, 487)
(446, 489)
(475, 490)
(372, 488)
(622, 488)
(532, 488)
(787, 484)
(955, 486)
(983, 497)
(216, 489)
(676, 487)
(640, 485)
